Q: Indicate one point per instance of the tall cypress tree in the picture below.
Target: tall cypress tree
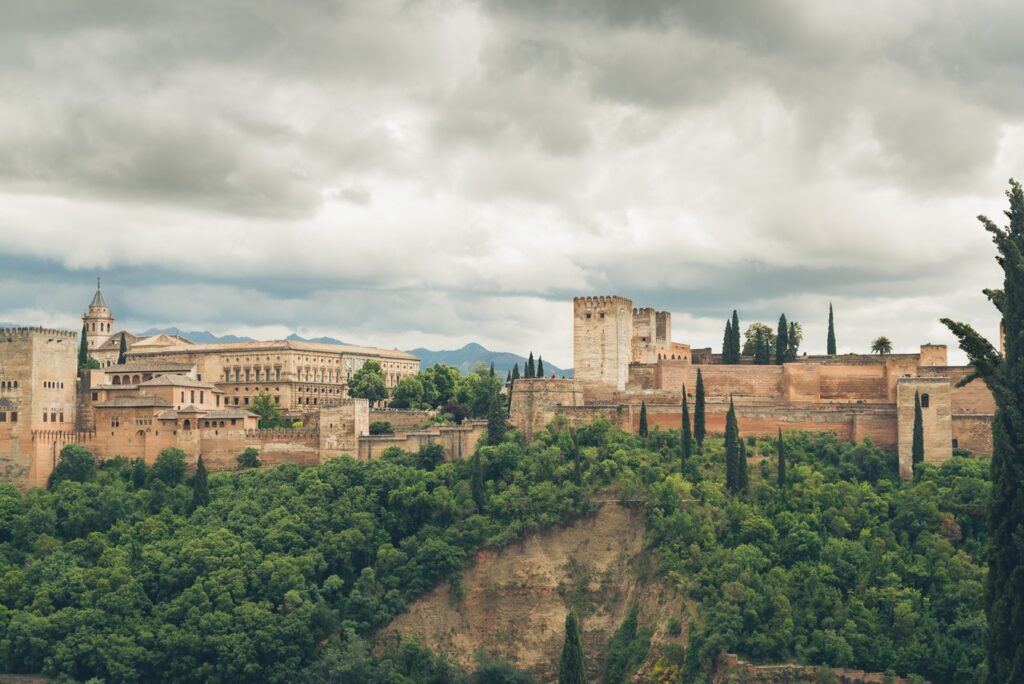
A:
(698, 412)
(508, 377)
(492, 369)
(1004, 375)
(782, 341)
(515, 371)
(731, 450)
(577, 459)
(540, 366)
(831, 344)
(736, 345)
(83, 350)
(496, 421)
(643, 419)
(122, 352)
(917, 445)
(200, 487)
(570, 667)
(780, 479)
(686, 438)
(476, 482)
(727, 343)
(742, 467)
(530, 368)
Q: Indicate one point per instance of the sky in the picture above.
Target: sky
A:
(430, 173)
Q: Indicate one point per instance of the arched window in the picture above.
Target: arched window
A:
(187, 424)
(924, 401)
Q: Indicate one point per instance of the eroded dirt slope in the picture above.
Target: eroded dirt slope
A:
(513, 601)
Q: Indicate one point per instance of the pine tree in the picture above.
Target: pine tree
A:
(83, 350)
(570, 667)
(122, 353)
(540, 366)
(685, 435)
(643, 419)
(727, 343)
(1004, 375)
(477, 482)
(831, 344)
(782, 341)
(731, 450)
(698, 412)
(781, 477)
(736, 346)
(917, 445)
(530, 369)
(200, 487)
(515, 372)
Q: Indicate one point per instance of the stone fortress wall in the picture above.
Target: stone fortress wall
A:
(854, 396)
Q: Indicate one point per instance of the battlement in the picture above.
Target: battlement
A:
(644, 311)
(29, 332)
(602, 300)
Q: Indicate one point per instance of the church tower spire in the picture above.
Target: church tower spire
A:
(99, 323)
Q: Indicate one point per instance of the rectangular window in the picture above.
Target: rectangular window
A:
(14, 416)
(199, 377)
(202, 395)
(233, 421)
(95, 396)
(192, 396)
(44, 416)
(218, 399)
(3, 416)
(182, 397)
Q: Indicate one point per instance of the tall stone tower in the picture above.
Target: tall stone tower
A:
(602, 331)
(99, 323)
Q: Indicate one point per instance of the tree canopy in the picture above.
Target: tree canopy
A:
(368, 383)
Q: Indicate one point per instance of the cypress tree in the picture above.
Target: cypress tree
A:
(643, 419)
(508, 377)
(782, 341)
(917, 446)
(540, 366)
(139, 474)
(515, 371)
(200, 487)
(727, 343)
(577, 468)
(495, 421)
(570, 667)
(122, 352)
(492, 369)
(477, 482)
(731, 450)
(83, 350)
(831, 344)
(530, 369)
(698, 412)
(686, 438)
(736, 346)
(1004, 375)
(781, 477)
(742, 467)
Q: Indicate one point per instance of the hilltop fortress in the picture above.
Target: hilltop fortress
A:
(172, 393)
(624, 356)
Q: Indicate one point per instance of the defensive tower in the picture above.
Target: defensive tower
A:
(602, 333)
(99, 323)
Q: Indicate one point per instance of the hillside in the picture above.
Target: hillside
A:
(466, 358)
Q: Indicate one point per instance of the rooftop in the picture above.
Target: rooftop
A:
(279, 345)
(140, 401)
(149, 366)
(175, 380)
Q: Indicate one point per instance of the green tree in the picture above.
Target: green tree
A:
(570, 666)
(409, 393)
(122, 352)
(1004, 375)
(540, 366)
(492, 369)
(476, 483)
(250, 458)
(381, 427)
(917, 447)
(75, 463)
(531, 369)
(265, 406)
(83, 349)
(758, 341)
(440, 384)
(139, 472)
(735, 344)
(685, 437)
(780, 479)
(515, 371)
(733, 479)
(200, 487)
(368, 383)
(727, 343)
(643, 419)
(831, 343)
(795, 337)
(742, 467)
(782, 341)
(698, 412)
(496, 417)
(882, 345)
(169, 467)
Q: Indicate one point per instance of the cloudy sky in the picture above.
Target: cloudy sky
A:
(428, 173)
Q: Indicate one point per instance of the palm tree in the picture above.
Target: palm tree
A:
(882, 345)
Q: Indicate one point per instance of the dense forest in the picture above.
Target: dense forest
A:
(130, 573)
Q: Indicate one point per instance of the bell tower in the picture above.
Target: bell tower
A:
(99, 324)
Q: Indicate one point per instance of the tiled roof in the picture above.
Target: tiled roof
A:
(149, 366)
(141, 401)
(281, 345)
(175, 380)
(229, 413)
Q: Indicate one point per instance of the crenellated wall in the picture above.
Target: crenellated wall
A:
(535, 402)
(458, 441)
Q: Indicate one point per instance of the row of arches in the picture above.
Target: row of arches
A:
(8, 384)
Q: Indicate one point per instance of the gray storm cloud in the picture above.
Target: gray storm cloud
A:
(433, 172)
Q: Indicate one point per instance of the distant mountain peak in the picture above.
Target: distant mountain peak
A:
(473, 353)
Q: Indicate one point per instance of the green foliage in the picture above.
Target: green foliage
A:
(496, 421)
(735, 341)
(139, 473)
(782, 341)
(759, 340)
(1004, 375)
(122, 352)
(249, 458)
(627, 649)
(76, 463)
(200, 487)
(570, 666)
(917, 443)
(881, 345)
(643, 432)
(515, 371)
(780, 476)
(540, 366)
(727, 351)
(531, 370)
(685, 436)
(409, 393)
(368, 382)
(794, 337)
(831, 342)
(699, 427)
(735, 460)
(381, 427)
(169, 467)
(265, 406)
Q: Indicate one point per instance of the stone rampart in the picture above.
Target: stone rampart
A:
(535, 401)
(402, 419)
(458, 441)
